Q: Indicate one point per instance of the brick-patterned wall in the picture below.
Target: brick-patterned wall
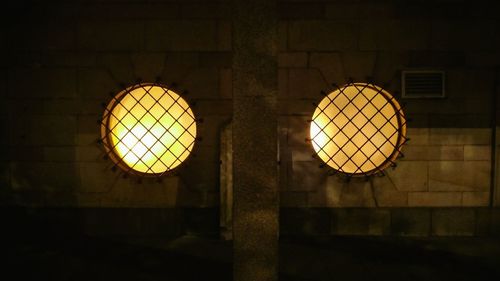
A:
(448, 159)
(60, 61)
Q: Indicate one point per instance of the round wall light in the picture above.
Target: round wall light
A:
(148, 129)
(358, 129)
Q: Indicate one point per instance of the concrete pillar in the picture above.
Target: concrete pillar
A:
(255, 176)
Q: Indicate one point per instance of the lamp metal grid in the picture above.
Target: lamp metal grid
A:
(148, 129)
(358, 129)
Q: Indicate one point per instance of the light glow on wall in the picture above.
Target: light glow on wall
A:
(148, 129)
(358, 129)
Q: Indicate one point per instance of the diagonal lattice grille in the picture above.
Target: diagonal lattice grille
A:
(149, 129)
(358, 129)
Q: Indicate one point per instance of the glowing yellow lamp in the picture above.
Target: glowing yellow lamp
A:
(358, 129)
(148, 129)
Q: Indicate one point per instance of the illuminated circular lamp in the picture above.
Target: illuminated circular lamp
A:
(358, 129)
(148, 129)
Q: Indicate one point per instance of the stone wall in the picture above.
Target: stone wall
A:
(61, 61)
(448, 158)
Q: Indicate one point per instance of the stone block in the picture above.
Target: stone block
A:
(90, 153)
(351, 221)
(433, 152)
(117, 191)
(358, 65)
(90, 124)
(458, 136)
(477, 152)
(148, 66)
(165, 222)
(99, 177)
(305, 221)
(330, 66)
(44, 107)
(306, 175)
(119, 66)
(483, 59)
(459, 120)
(96, 84)
(205, 10)
(388, 67)
(409, 175)
(50, 130)
(88, 200)
(298, 107)
(394, 35)
(459, 176)
(306, 83)
(318, 35)
(68, 59)
(210, 129)
(42, 83)
(298, 130)
(182, 61)
(134, 10)
(449, 35)
(380, 222)
(93, 107)
(201, 170)
(360, 221)
(224, 36)
(295, 59)
(495, 222)
(476, 199)
(358, 10)
(386, 193)
(199, 82)
(87, 138)
(192, 35)
(434, 199)
(357, 193)
(215, 59)
(324, 196)
(45, 35)
(293, 199)
(301, 10)
(341, 10)
(411, 222)
(483, 222)
(301, 153)
(436, 59)
(59, 154)
(110, 35)
(44, 176)
(23, 153)
(353, 193)
(418, 136)
(212, 108)
(453, 222)
(461, 82)
(151, 193)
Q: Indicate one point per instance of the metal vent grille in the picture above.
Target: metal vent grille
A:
(423, 84)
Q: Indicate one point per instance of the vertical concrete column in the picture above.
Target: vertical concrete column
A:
(255, 176)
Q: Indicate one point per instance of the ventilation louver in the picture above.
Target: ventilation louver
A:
(423, 84)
